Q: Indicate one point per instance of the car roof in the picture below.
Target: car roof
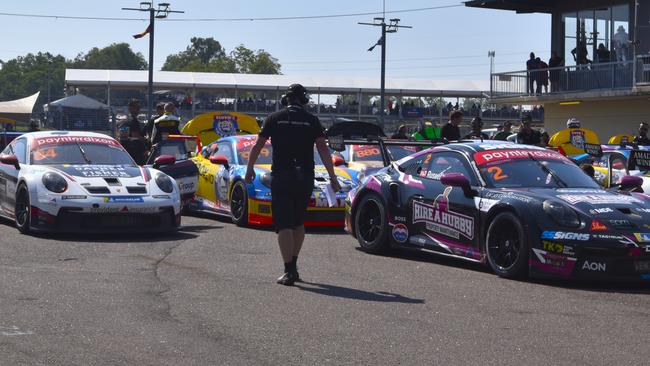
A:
(42, 134)
(474, 146)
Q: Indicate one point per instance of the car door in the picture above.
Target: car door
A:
(223, 175)
(9, 174)
(207, 172)
(443, 217)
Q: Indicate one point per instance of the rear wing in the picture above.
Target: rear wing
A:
(338, 143)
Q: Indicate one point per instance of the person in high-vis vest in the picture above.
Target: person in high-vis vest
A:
(167, 124)
(427, 131)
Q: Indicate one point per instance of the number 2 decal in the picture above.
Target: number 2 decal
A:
(497, 173)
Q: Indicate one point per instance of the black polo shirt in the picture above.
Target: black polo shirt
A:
(532, 138)
(293, 132)
(450, 132)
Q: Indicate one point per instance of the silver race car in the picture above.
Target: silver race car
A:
(83, 182)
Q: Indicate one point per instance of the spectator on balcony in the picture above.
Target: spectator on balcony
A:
(527, 135)
(450, 130)
(621, 43)
(505, 132)
(531, 66)
(602, 53)
(580, 54)
(554, 75)
(642, 138)
(542, 76)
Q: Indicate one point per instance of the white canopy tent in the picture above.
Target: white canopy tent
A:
(19, 109)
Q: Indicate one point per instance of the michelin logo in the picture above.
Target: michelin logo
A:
(559, 235)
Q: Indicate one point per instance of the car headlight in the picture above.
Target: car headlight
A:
(165, 183)
(266, 179)
(54, 182)
(561, 214)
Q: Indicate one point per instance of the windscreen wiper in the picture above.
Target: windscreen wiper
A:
(83, 153)
(548, 171)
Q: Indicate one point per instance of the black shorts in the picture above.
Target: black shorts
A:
(290, 196)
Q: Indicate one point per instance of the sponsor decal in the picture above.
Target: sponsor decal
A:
(507, 195)
(645, 276)
(399, 218)
(123, 199)
(58, 140)
(597, 226)
(225, 125)
(603, 210)
(100, 171)
(607, 237)
(643, 210)
(484, 204)
(554, 247)
(594, 266)
(642, 237)
(647, 248)
(400, 233)
(73, 197)
(621, 223)
(438, 218)
(554, 259)
(508, 146)
(484, 157)
(577, 138)
(560, 235)
(124, 209)
(598, 199)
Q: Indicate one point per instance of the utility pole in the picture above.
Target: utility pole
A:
(491, 55)
(161, 12)
(391, 27)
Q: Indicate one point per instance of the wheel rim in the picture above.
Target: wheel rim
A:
(22, 209)
(237, 202)
(504, 246)
(370, 222)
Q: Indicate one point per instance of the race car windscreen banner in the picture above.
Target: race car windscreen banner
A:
(639, 160)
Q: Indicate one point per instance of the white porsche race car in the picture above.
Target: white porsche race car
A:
(68, 181)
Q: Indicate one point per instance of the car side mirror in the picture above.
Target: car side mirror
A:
(220, 159)
(10, 159)
(631, 183)
(337, 160)
(458, 180)
(163, 160)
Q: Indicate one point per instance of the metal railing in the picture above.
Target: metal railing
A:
(643, 70)
(559, 80)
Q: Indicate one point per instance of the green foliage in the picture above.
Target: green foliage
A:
(117, 56)
(207, 55)
(25, 75)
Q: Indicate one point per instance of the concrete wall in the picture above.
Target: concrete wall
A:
(605, 117)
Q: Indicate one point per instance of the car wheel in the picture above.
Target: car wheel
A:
(507, 247)
(239, 204)
(23, 210)
(370, 224)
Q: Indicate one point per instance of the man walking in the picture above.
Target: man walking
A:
(293, 132)
(531, 66)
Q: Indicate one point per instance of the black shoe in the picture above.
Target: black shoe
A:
(289, 278)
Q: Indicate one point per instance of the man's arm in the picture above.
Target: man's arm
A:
(325, 156)
(252, 158)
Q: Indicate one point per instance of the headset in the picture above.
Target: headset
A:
(295, 90)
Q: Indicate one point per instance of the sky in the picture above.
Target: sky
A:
(444, 44)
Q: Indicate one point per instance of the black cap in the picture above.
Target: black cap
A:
(526, 118)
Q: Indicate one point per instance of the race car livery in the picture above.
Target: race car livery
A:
(520, 209)
(222, 167)
(181, 167)
(79, 181)
(612, 162)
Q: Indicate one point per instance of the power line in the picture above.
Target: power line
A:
(325, 16)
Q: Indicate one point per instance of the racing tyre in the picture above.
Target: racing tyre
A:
(506, 246)
(239, 204)
(23, 210)
(370, 224)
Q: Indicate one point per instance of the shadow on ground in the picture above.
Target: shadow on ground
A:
(354, 294)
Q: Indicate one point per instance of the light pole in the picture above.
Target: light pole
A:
(491, 55)
(161, 12)
(391, 27)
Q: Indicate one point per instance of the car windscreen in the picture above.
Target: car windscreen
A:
(175, 148)
(530, 169)
(80, 153)
(266, 154)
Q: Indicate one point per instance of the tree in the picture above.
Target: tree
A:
(207, 55)
(25, 75)
(118, 56)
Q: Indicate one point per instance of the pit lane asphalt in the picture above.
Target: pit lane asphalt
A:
(207, 296)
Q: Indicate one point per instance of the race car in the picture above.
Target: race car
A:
(613, 162)
(222, 167)
(520, 209)
(172, 156)
(80, 181)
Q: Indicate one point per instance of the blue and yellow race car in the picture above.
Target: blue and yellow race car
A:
(221, 189)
